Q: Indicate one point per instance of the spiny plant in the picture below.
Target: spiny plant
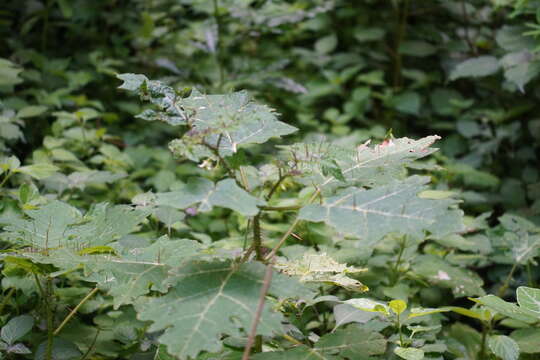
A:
(197, 297)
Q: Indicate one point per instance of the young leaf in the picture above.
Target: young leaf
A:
(504, 347)
(397, 306)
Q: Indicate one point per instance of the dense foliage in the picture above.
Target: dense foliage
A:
(303, 208)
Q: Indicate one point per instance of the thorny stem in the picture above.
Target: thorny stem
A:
(74, 311)
(257, 240)
(260, 306)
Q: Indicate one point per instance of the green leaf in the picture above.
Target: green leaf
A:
(368, 305)
(462, 282)
(225, 193)
(38, 171)
(528, 340)
(504, 347)
(397, 306)
(359, 165)
(506, 308)
(209, 299)
(417, 48)
(475, 67)
(407, 103)
(31, 111)
(326, 44)
(16, 328)
(9, 73)
(61, 350)
(409, 353)
(132, 81)
(371, 214)
(353, 343)
(529, 299)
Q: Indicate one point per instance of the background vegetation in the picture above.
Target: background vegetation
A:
(341, 72)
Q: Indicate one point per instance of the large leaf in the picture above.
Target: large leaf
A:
(475, 67)
(16, 328)
(225, 122)
(225, 193)
(350, 343)
(371, 214)
(504, 347)
(506, 308)
(528, 340)
(529, 299)
(209, 299)
(462, 282)
(326, 164)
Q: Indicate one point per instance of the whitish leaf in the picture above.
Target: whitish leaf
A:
(322, 268)
(16, 328)
(19, 348)
(225, 193)
(475, 67)
(131, 81)
(358, 165)
(506, 308)
(504, 347)
(462, 282)
(209, 299)
(371, 214)
(529, 299)
(409, 353)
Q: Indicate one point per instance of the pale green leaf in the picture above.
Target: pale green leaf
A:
(371, 214)
(504, 347)
(409, 353)
(528, 340)
(38, 171)
(31, 111)
(529, 299)
(326, 44)
(506, 308)
(462, 282)
(369, 305)
(16, 328)
(475, 67)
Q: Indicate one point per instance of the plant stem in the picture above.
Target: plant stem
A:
(91, 347)
(257, 240)
(506, 283)
(6, 178)
(398, 262)
(260, 306)
(399, 331)
(280, 208)
(290, 230)
(48, 311)
(6, 299)
(74, 311)
(276, 186)
(486, 328)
